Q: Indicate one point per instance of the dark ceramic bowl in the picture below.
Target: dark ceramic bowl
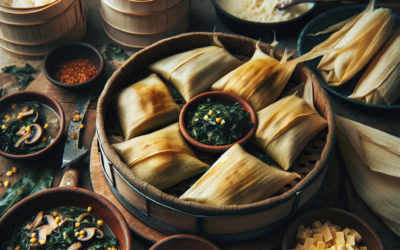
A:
(306, 43)
(61, 197)
(256, 29)
(69, 52)
(29, 96)
(338, 217)
(184, 242)
(222, 97)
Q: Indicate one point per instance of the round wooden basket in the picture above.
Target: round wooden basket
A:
(34, 16)
(166, 213)
(44, 32)
(144, 7)
(151, 23)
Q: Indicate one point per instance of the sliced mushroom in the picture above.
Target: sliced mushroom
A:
(75, 246)
(49, 220)
(80, 218)
(37, 132)
(42, 232)
(28, 111)
(22, 131)
(22, 139)
(35, 221)
(90, 232)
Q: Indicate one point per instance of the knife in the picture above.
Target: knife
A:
(73, 155)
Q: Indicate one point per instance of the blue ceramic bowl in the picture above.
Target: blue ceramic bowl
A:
(306, 43)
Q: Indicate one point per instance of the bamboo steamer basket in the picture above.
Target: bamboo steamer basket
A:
(40, 50)
(166, 213)
(34, 16)
(151, 23)
(143, 7)
(141, 40)
(44, 32)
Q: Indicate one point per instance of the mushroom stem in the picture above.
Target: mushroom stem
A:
(23, 138)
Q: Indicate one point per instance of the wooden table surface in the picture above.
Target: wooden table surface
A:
(203, 18)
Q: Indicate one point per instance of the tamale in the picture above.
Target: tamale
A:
(161, 158)
(355, 42)
(285, 128)
(380, 84)
(145, 105)
(372, 158)
(194, 71)
(238, 178)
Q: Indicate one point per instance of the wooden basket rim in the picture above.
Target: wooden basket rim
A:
(186, 206)
(22, 11)
(141, 14)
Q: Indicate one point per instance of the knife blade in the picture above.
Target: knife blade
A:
(73, 155)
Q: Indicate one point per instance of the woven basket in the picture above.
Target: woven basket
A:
(143, 7)
(163, 211)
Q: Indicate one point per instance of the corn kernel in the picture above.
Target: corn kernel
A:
(77, 224)
(1, 184)
(0, 179)
(14, 106)
(223, 122)
(113, 248)
(28, 129)
(17, 248)
(4, 127)
(55, 213)
(218, 120)
(46, 126)
(82, 126)
(82, 233)
(42, 242)
(7, 117)
(99, 223)
(211, 112)
(89, 209)
(44, 139)
(57, 219)
(7, 184)
(109, 248)
(33, 235)
(205, 117)
(1, 174)
(9, 173)
(77, 234)
(15, 170)
(33, 240)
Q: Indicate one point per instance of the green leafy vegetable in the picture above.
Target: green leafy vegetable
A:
(114, 52)
(37, 181)
(265, 158)
(204, 127)
(23, 74)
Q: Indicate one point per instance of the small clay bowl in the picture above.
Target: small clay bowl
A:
(69, 52)
(184, 242)
(221, 97)
(30, 96)
(62, 197)
(338, 217)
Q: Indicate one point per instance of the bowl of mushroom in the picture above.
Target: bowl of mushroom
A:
(31, 125)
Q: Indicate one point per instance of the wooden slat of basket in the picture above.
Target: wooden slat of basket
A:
(146, 23)
(144, 7)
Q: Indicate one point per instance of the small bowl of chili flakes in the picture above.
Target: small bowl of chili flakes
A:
(73, 65)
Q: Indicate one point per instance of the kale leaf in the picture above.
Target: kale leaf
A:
(114, 52)
(23, 74)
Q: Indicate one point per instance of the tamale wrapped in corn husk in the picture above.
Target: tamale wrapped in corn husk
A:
(355, 41)
(145, 105)
(194, 71)
(285, 128)
(161, 158)
(238, 178)
(372, 158)
(380, 83)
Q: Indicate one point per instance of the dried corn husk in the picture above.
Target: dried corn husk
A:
(194, 71)
(144, 106)
(286, 127)
(380, 83)
(372, 158)
(238, 178)
(356, 41)
(161, 158)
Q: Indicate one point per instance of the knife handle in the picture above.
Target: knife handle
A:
(70, 178)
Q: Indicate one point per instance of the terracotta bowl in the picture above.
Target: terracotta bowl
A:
(39, 97)
(73, 51)
(338, 217)
(66, 196)
(222, 97)
(184, 242)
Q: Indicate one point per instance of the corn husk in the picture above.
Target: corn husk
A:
(238, 178)
(144, 106)
(194, 71)
(380, 83)
(356, 41)
(372, 158)
(286, 127)
(161, 158)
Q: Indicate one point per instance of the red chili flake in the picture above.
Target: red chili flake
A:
(73, 72)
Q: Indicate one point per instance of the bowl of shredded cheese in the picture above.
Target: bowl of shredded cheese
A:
(255, 17)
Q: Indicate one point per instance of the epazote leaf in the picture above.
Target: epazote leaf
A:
(114, 52)
(37, 181)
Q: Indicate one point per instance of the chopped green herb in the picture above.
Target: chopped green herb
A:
(23, 74)
(218, 124)
(114, 52)
(265, 158)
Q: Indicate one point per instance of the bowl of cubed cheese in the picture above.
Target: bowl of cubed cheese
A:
(332, 229)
